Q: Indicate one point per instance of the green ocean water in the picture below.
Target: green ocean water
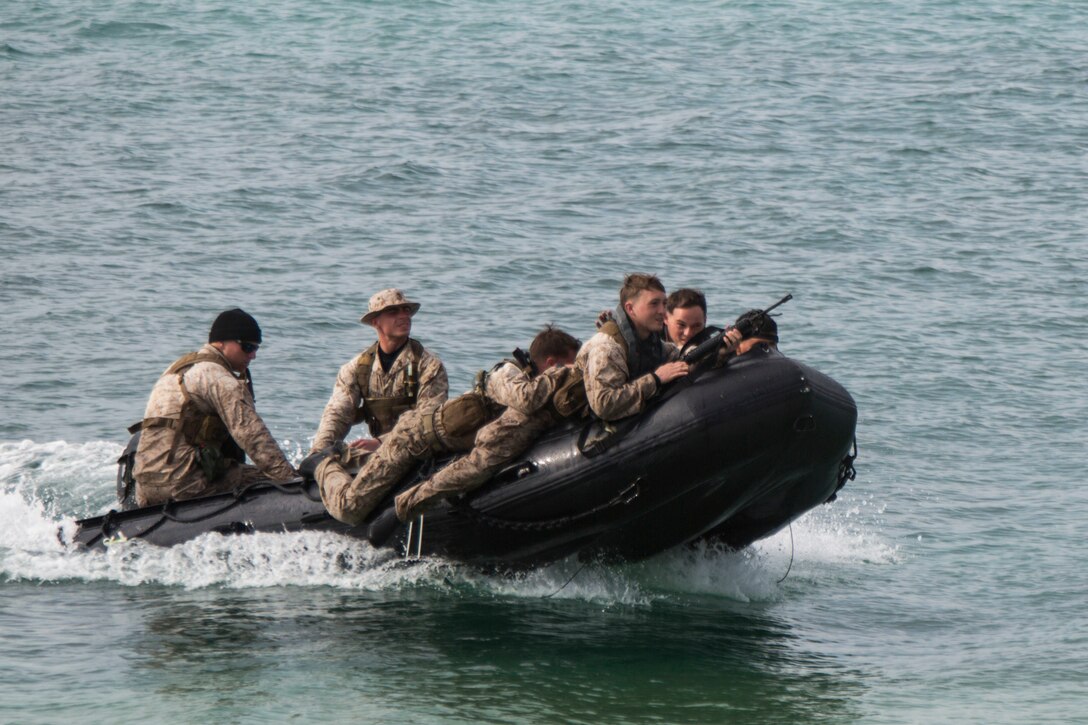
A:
(913, 173)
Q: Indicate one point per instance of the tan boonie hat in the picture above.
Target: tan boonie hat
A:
(385, 299)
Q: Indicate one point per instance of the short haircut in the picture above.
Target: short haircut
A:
(635, 283)
(686, 297)
(552, 342)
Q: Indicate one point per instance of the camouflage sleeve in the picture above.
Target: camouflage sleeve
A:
(672, 352)
(231, 399)
(512, 387)
(434, 386)
(611, 395)
(339, 413)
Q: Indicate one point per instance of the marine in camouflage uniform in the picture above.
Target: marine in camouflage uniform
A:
(367, 390)
(496, 444)
(619, 368)
(201, 422)
(508, 436)
(451, 427)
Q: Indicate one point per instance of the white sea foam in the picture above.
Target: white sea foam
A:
(66, 477)
(39, 478)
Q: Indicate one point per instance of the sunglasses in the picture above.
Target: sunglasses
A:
(248, 347)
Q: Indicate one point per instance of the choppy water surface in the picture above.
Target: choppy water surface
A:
(914, 173)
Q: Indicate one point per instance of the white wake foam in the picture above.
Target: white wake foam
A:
(39, 480)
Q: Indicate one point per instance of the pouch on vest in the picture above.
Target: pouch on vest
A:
(569, 399)
(466, 414)
(213, 463)
(381, 414)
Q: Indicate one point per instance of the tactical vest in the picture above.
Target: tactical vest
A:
(381, 414)
(204, 431)
(612, 329)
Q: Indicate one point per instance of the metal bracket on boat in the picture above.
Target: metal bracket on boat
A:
(419, 540)
(847, 472)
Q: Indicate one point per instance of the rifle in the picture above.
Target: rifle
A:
(525, 361)
(708, 346)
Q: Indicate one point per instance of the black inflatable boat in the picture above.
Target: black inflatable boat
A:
(731, 454)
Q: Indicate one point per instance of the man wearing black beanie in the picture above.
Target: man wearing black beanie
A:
(200, 422)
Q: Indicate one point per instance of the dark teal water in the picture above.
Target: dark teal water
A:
(913, 173)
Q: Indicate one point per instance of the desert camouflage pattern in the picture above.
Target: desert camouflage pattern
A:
(512, 387)
(384, 299)
(612, 395)
(497, 444)
(420, 435)
(350, 498)
(213, 390)
(339, 414)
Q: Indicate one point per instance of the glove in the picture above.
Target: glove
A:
(310, 463)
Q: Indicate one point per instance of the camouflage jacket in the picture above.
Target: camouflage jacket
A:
(213, 390)
(511, 387)
(343, 406)
(611, 393)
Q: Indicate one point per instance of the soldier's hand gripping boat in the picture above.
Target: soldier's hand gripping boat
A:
(731, 454)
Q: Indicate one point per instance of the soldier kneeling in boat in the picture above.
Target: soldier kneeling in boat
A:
(523, 385)
(200, 421)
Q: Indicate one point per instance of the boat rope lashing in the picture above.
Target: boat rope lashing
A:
(624, 497)
(567, 582)
(169, 511)
(110, 528)
(791, 556)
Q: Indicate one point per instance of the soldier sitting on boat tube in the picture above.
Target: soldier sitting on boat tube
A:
(200, 421)
(390, 377)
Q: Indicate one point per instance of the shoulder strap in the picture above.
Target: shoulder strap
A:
(513, 361)
(190, 359)
(612, 329)
(364, 364)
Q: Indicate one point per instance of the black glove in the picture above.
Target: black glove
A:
(309, 464)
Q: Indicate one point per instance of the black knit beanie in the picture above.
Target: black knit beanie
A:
(235, 325)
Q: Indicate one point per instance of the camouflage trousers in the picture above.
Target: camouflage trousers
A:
(417, 436)
(497, 444)
(237, 475)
